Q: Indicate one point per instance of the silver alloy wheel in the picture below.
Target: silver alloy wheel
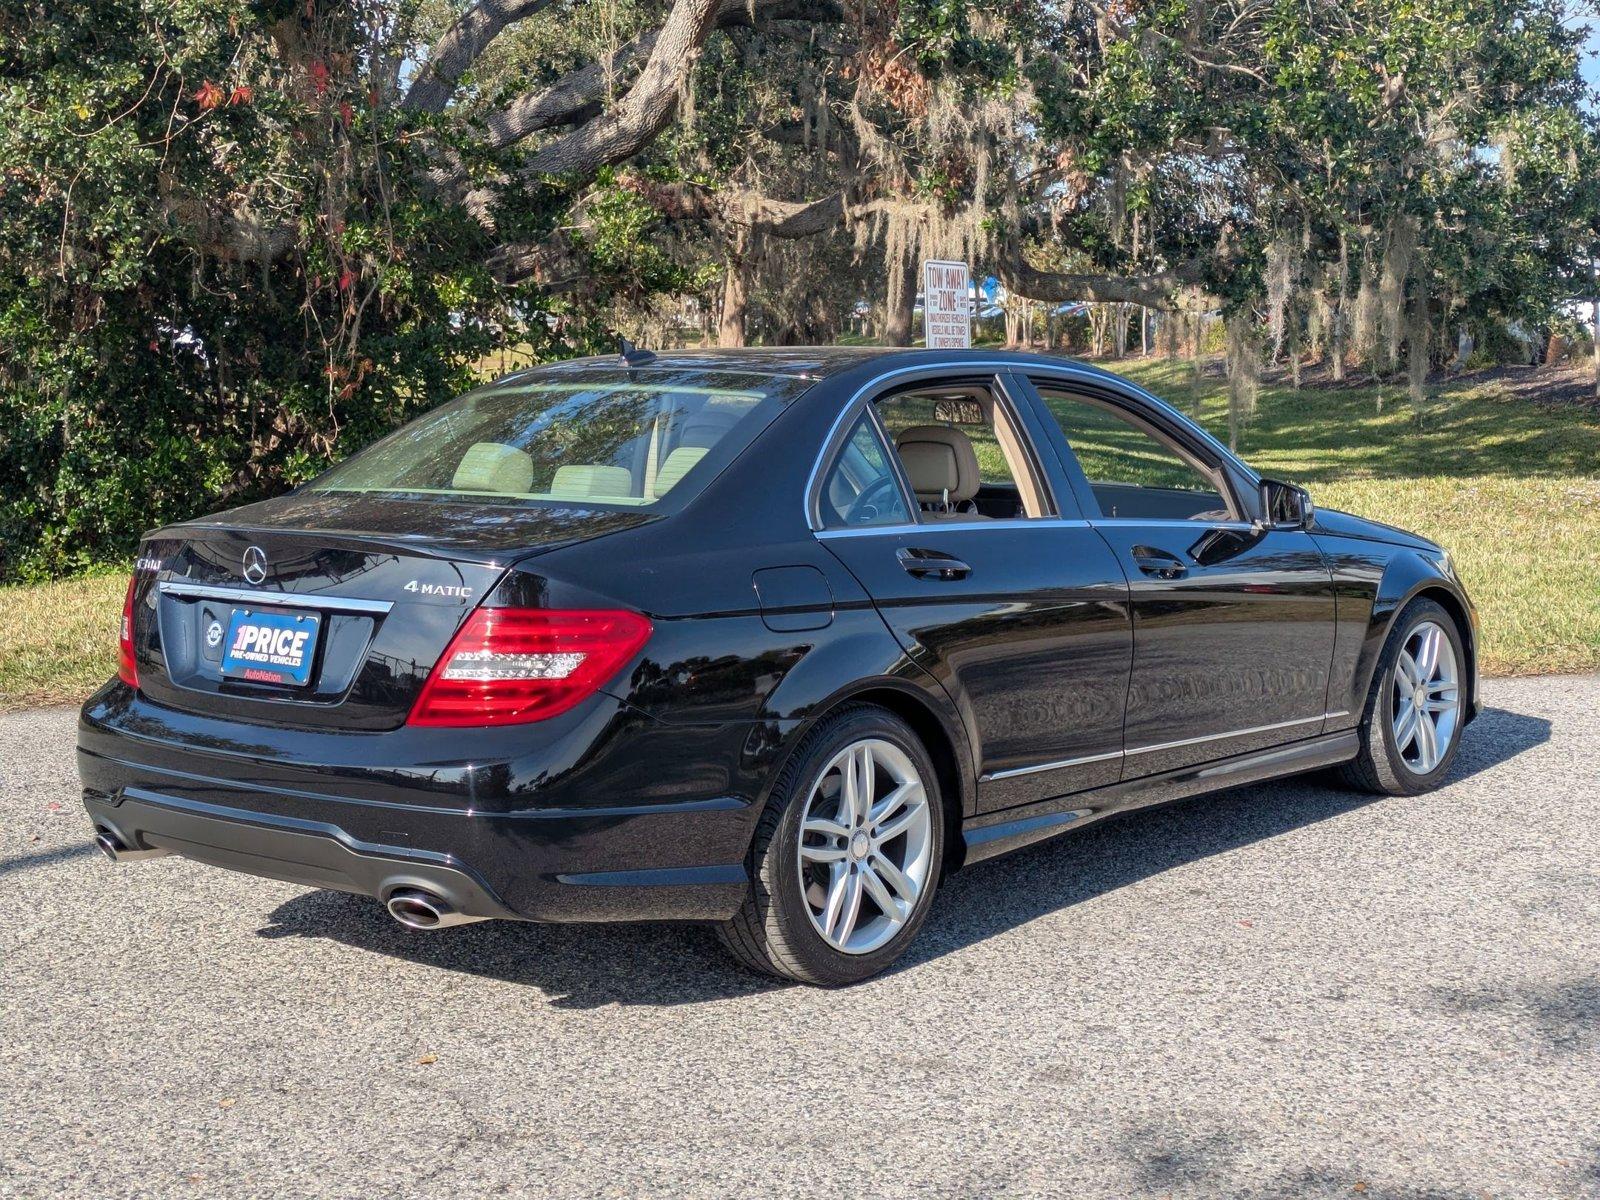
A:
(866, 845)
(1425, 709)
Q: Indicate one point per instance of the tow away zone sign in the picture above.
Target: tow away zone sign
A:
(946, 309)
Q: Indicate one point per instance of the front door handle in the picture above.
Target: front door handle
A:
(1158, 564)
(931, 563)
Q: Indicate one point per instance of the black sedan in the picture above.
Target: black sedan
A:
(771, 639)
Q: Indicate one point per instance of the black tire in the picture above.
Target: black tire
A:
(773, 932)
(1381, 768)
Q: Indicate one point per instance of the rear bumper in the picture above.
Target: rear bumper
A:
(509, 850)
(287, 848)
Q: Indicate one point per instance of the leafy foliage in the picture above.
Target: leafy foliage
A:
(238, 239)
(222, 266)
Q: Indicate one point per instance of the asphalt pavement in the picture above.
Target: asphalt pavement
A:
(1281, 991)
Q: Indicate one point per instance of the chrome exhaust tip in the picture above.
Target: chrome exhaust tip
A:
(417, 909)
(118, 851)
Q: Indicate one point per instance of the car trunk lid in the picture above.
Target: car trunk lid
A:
(337, 624)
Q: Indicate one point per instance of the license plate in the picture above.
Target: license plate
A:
(270, 647)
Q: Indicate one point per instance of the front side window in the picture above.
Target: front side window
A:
(601, 437)
(1133, 471)
(861, 488)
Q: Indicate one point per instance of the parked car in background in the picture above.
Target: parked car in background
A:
(771, 639)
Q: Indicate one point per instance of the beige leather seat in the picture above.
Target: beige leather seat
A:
(679, 463)
(943, 469)
(591, 481)
(494, 467)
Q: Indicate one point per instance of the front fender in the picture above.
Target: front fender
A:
(1407, 574)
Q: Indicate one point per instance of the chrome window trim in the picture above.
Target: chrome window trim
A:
(173, 587)
(1176, 523)
(1001, 523)
(1157, 746)
(996, 523)
(813, 511)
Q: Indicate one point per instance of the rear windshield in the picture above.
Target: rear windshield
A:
(597, 437)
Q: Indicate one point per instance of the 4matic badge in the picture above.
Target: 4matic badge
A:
(455, 590)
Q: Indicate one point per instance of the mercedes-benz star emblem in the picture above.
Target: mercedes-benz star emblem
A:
(255, 564)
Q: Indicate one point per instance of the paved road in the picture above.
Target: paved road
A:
(1285, 991)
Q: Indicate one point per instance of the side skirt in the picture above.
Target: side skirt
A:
(990, 834)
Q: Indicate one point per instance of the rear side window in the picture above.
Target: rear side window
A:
(597, 437)
(861, 488)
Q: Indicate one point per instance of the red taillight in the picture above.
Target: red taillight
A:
(508, 665)
(127, 668)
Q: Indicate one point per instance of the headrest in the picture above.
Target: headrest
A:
(493, 467)
(591, 481)
(679, 463)
(940, 462)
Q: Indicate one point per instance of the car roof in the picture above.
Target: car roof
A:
(816, 362)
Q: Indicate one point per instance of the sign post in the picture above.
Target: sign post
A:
(946, 309)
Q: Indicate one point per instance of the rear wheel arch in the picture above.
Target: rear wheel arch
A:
(957, 785)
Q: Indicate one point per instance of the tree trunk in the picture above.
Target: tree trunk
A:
(735, 294)
(1417, 338)
(1336, 315)
(1594, 274)
(1296, 351)
(902, 302)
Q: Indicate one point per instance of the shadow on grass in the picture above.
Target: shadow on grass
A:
(587, 966)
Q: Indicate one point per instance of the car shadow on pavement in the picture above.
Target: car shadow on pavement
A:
(588, 966)
(46, 858)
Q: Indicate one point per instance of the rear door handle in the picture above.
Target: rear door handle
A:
(1158, 563)
(926, 563)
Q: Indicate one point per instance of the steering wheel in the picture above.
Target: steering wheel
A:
(857, 513)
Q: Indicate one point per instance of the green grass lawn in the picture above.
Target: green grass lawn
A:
(58, 641)
(1510, 486)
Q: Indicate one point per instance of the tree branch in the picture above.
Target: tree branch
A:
(648, 106)
(1172, 290)
(572, 97)
(460, 47)
(749, 210)
(565, 101)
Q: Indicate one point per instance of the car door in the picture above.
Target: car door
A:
(1023, 618)
(1233, 622)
